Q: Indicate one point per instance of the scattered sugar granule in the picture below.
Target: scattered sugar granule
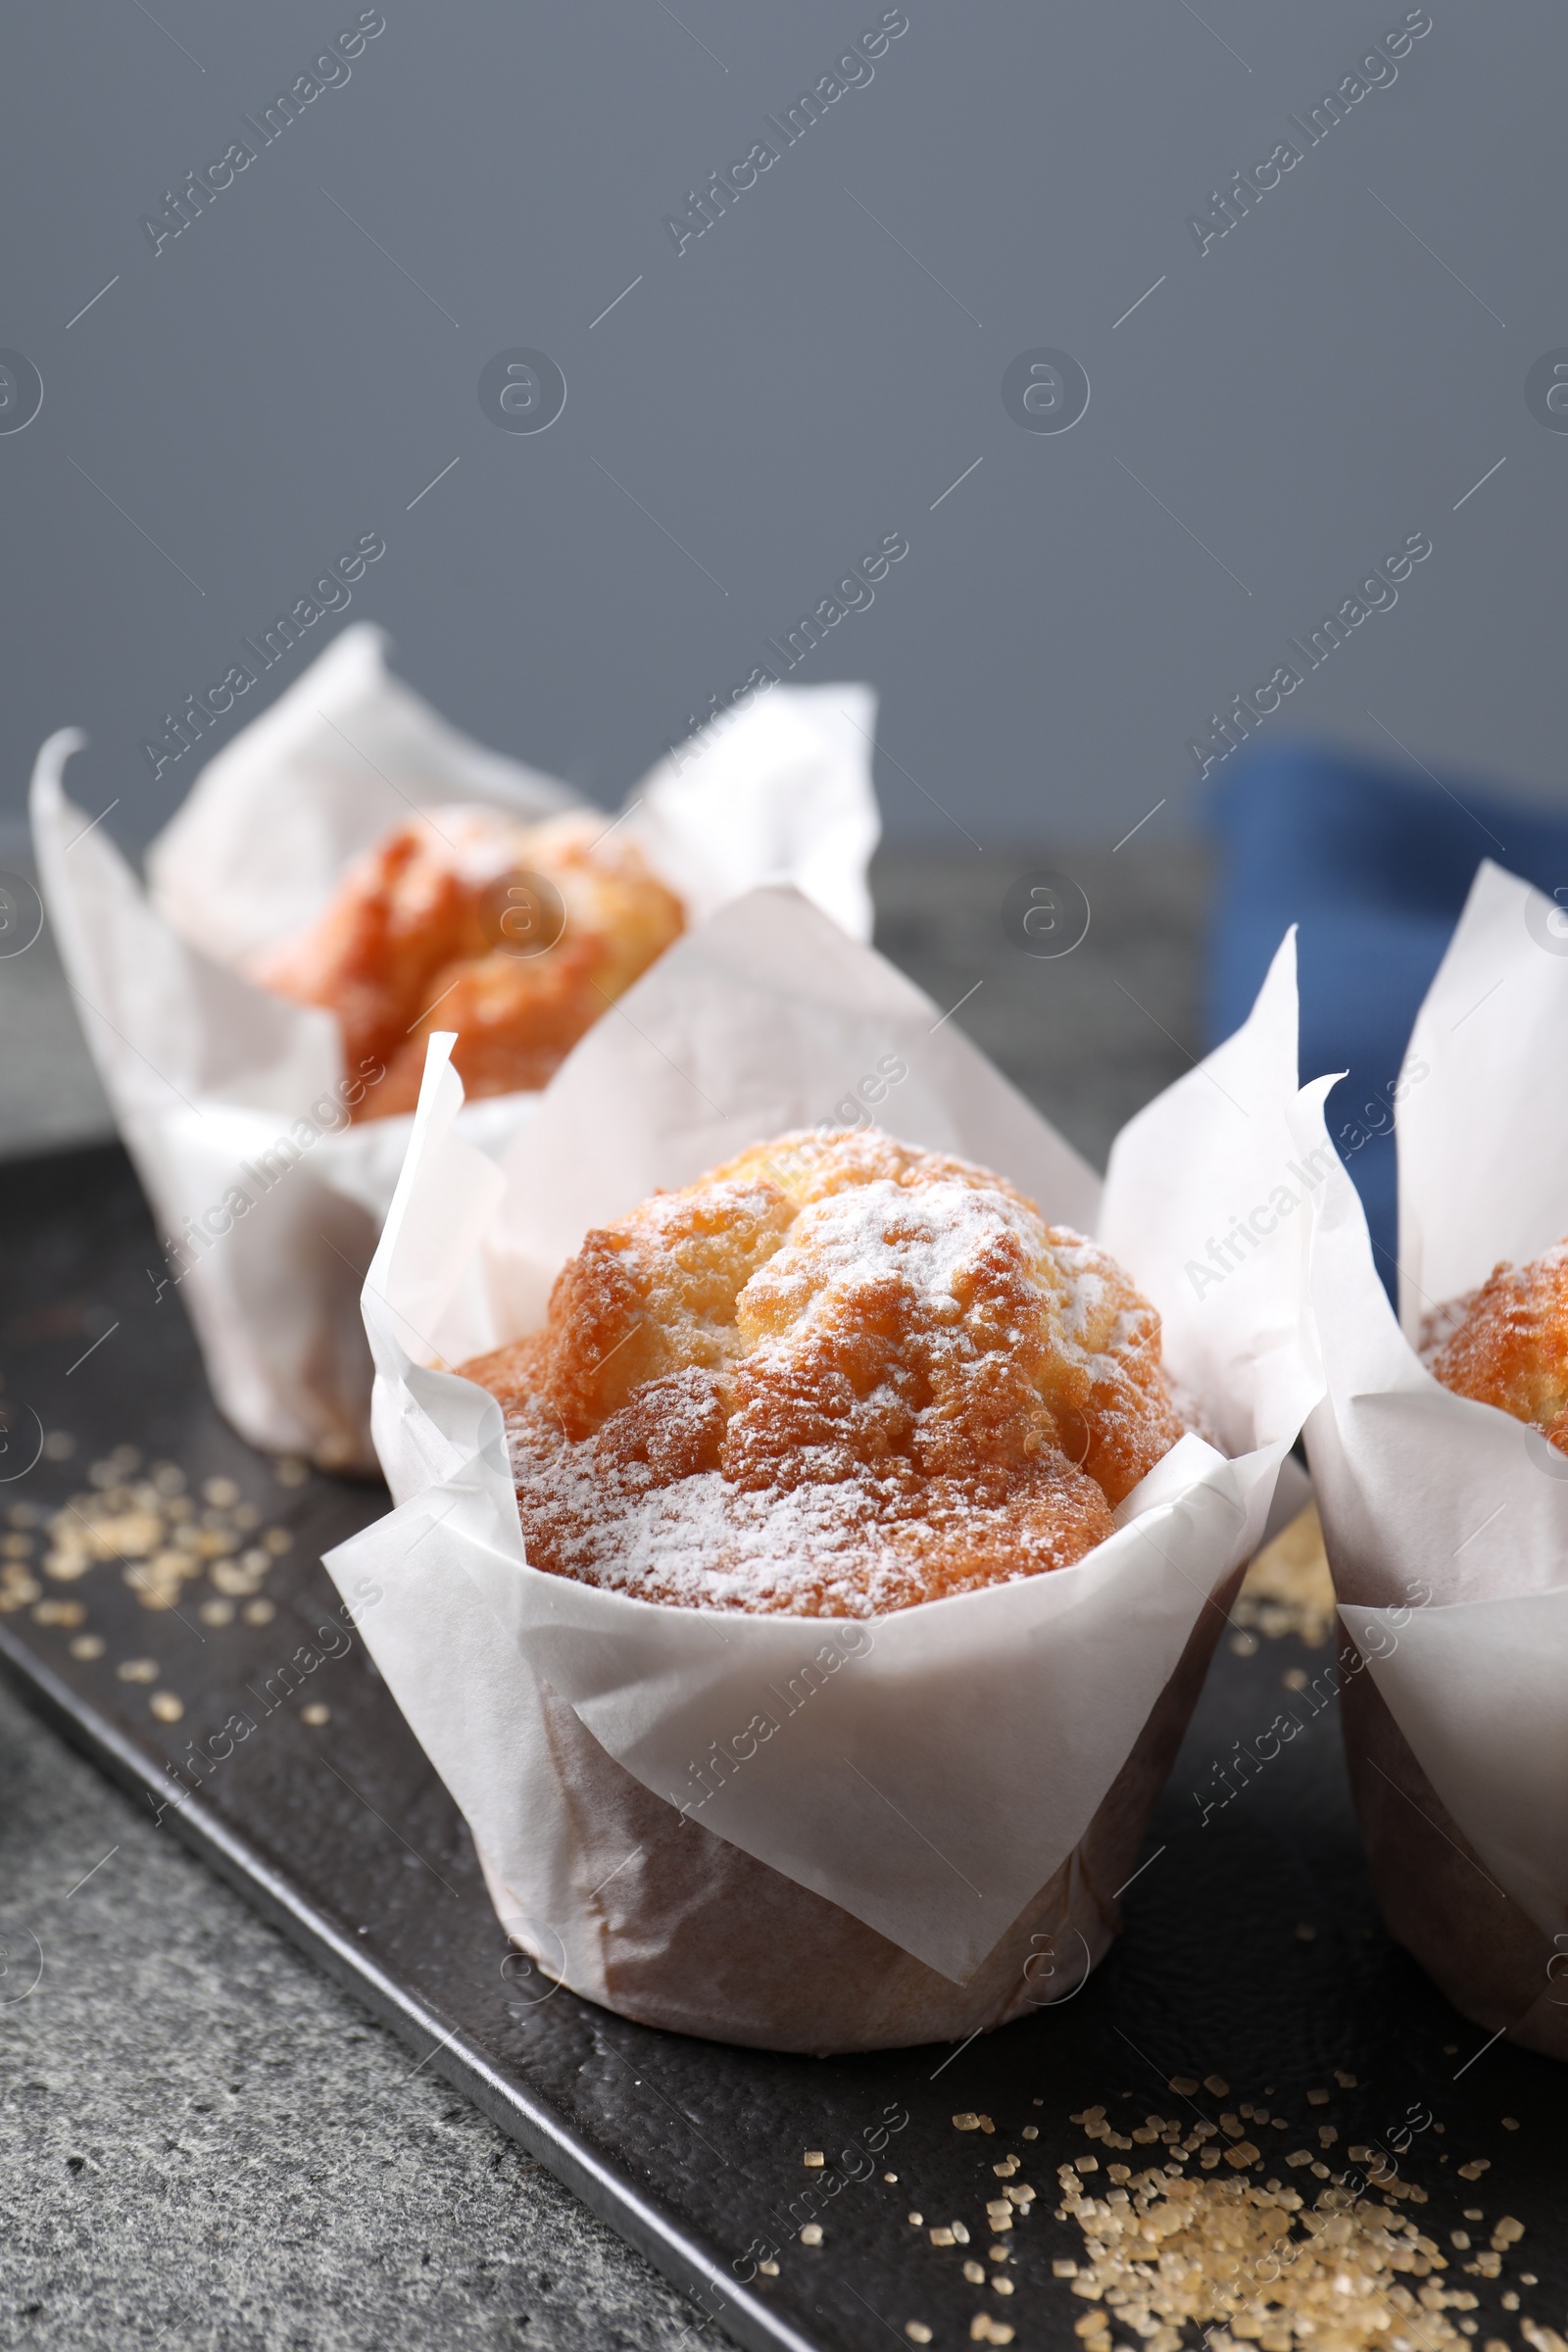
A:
(60, 1612)
(1289, 1588)
(1317, 2098)
(1217, 2085)
(918, 2331)
(974, 2272)
(1345, 2082)
(1510, 2123)
(813, 2156)
(1249, 2260)
(916, 2220)
(970, 2122)
(812, 2235)
(941, 2236)
(1030, 2132)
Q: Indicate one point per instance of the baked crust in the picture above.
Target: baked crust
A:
(1511, 1348)
(837, 1375)
(422, 935)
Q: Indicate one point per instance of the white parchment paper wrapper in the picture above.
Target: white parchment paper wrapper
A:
(931, 1836)
(1446, 1521)
(229, 1100)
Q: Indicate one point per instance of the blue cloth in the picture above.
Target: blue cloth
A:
(1375, 864)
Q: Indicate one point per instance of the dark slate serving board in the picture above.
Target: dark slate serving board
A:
(1252, 1948)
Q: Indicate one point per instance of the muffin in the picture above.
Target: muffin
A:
(517, 936)
(805, 1607)
(835, 1377)
(1509, 1343)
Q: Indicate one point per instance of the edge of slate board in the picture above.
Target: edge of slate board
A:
(644, 2222)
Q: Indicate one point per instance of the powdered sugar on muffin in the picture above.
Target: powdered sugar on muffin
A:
(424, 933)
(1506, 1344)
(837, 1376)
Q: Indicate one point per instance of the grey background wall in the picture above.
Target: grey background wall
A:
(814, 372)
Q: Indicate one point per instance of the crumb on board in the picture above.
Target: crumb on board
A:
(145, 1522)
(1287, 1589)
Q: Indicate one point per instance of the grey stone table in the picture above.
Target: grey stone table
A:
(202, 2142)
